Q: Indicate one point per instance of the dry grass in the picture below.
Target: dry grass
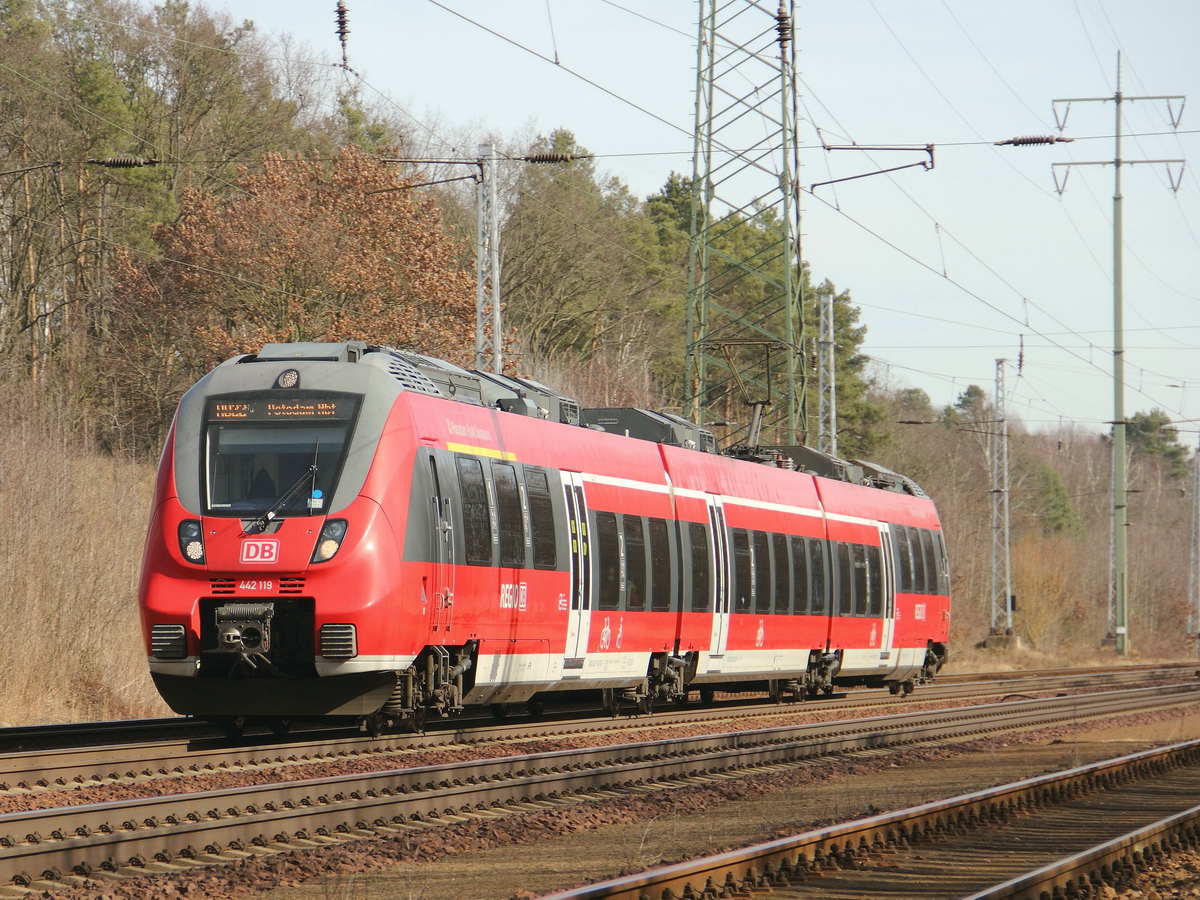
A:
(72, 550)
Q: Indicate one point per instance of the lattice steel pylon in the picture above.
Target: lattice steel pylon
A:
(744, 322)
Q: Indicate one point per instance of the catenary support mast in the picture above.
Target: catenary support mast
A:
(744, 308)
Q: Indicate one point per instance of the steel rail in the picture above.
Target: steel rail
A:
(1112, 863)
(780, 862)
(109, 835)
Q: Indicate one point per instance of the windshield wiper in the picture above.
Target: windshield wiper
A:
(259, 525)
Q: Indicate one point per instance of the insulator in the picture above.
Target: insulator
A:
(549, 157)
(782, 26)
(343, 21)
(1033, 139)
(124, 162)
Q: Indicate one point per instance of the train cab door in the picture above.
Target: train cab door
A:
(888, 574)
(442, 551)
(580, 610)
(720, 570)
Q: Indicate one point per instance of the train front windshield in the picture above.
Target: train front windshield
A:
(275, 452)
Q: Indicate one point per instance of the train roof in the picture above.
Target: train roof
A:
(524, 396)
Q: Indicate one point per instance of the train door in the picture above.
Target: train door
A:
(442, 552)
(888, 574)
(579, 616)
(720, 621)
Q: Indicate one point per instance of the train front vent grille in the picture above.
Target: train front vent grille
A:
(291, 585)
(223, 585)
(339, 641)
(168, 641)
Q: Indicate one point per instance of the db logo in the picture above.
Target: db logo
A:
(260, 551)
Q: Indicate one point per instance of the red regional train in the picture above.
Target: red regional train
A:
(354, 530)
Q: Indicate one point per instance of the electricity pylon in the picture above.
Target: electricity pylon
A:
(744, 324)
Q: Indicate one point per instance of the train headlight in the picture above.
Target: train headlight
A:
(191, 541)
(330, 540)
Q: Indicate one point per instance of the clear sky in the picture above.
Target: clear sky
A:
(978, 259)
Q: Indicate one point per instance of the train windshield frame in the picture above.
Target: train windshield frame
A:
(279, 450)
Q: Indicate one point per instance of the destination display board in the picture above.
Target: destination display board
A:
(309, 408)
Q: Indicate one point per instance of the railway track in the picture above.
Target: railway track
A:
(48, 848)
(69, 757)
(1059, 835)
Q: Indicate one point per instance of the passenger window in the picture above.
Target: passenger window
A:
(743, 574)
(783, 573)
(931, 562)
(858, 555)
(635, 563)
(477, 521)
(943, 564)
(762, 572)
(700, 567)
(660, 565)
(918, 555)
(802, 589)
(541, 520)
(874, 582)
(512, 516)
(843, 579)
(903, 559)
(607, 557)
(818, 568)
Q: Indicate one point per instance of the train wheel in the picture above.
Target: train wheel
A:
(609, 702)
(535, 709)
(499, 711)
(373, 724)
(907, 687)
(775, 691)
(281, 726)
(415, 721)
(893, 688)
(706, 696)
(233, 726)
(645, 705)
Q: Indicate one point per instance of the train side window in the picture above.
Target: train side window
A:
(635, 563)
(903, 559)
(783, 573)
(607, 555)
(858, 556)
(541, 520)
(843, 578)
(818, 571)
(660, 565)
(874, 582)
(943, 564)
(762, 572)
(700, 568)
(477, 520)
(801, 587)
(918, 555)
(743, 575)
(931, 562)
(512, 516)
